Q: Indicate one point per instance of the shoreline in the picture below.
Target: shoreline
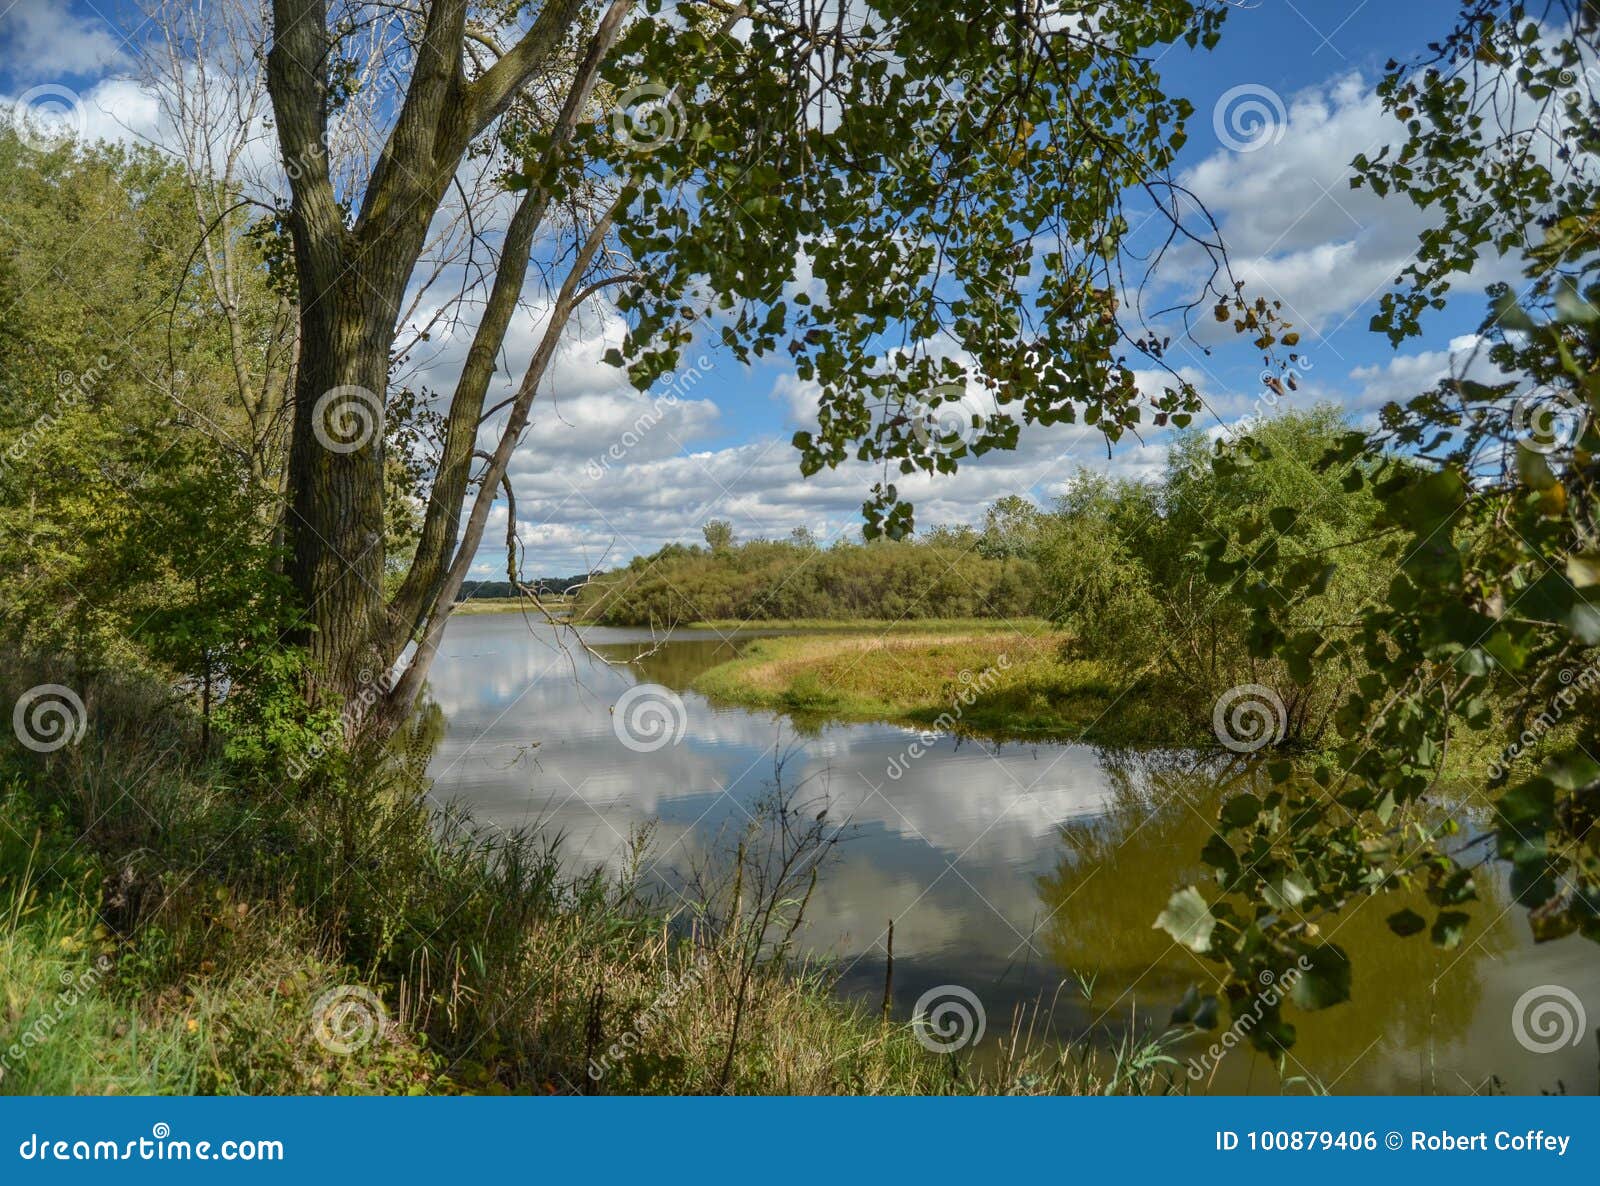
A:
(1006, 685)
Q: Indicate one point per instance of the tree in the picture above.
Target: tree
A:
(761, 161)
(1010, 528)
(1483, 636)
(719, 535)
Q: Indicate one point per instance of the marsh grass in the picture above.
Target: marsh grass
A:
(199, 916)
(1029, 688)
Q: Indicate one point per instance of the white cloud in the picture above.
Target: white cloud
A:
(44, 41)
(1295, 228)
(1407, 375)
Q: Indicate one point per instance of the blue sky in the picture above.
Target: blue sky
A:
(1294, 228)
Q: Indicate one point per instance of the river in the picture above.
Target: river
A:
(1026, 873)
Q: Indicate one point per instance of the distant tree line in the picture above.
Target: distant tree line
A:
(543, 587)
(1116, 564)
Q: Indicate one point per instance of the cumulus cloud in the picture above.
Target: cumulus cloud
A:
(605, 472)
(1294, 227)
(44, 41)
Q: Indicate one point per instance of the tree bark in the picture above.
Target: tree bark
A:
(352, 282)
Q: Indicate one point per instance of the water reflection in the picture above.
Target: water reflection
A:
(1008, 868)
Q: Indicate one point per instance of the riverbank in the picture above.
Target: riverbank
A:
(882, 626)
(503, 605)
(177, 924)
(999, 681)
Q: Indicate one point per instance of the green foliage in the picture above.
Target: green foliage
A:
(176, 935)
(1128, 567)
(1484, 630)
(137, 527)
(718, 535)
(996, 233)
(766, 580)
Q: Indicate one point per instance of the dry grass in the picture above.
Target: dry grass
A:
(224, 911)
(1007, 683)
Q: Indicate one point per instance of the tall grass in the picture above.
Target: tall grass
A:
(200, 918)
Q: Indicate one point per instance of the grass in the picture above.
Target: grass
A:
(175, 925)
(881, 626)
(1000, 682)
(502, 605)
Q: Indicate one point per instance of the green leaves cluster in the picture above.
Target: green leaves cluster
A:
(873, 204)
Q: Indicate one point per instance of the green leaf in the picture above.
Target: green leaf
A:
(1196, 1009)
(1406, 923)
(1449, 928)
(1324, 977)
(1286, 892)
(1240, 811)
(1188, 919)
(1583, 569)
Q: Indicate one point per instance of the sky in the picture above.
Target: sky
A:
(1282, 105)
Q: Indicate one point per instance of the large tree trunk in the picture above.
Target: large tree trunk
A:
(352, 282)
(336, 514)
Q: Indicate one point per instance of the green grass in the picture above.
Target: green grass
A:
(998, 682)
(201, 915)
(882, 626)
(501, 605)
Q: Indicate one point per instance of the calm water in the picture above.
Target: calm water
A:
(1018, 871)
